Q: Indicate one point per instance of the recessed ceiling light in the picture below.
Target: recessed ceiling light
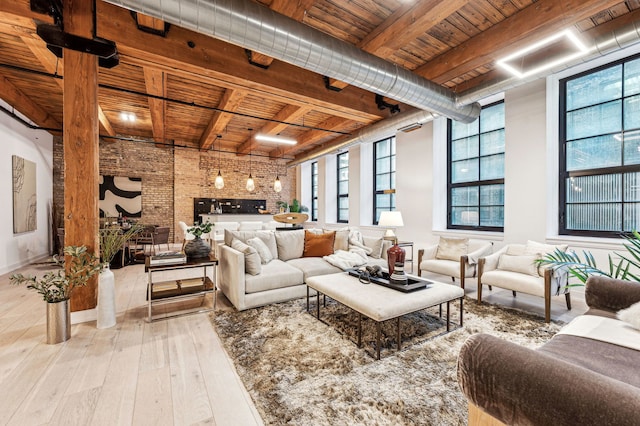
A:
(128, 116)
(579, 49)
(276, 139)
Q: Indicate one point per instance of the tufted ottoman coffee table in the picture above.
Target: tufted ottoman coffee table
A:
(381, 303)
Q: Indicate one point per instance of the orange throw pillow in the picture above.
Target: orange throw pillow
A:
(318, 245)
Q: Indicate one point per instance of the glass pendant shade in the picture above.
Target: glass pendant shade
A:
(219, 183)
(250, 184)
(277, 185)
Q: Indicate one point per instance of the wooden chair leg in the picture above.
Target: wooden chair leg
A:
(490, 288)
(462, 281)
(567, 298)
(514, 293)
(547, 295)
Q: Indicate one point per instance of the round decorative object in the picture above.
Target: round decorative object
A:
(197, 248)
(58, 322)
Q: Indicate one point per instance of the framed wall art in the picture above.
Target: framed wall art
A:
(24, 195)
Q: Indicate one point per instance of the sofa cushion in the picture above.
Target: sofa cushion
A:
(252, 262)
(533, 247)
(452, 248)
(262, 249)
(631, 315)
(318, 245)
(275, 274)
(312, 266)
(268, 237)
(290, 244)
(524, 264)
(375, 244)
(515, 281)
(446, 267)
(341, 241)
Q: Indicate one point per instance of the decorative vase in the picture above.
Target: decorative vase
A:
(58, 322)
(197, 248)
(106, 299)
(395, 255)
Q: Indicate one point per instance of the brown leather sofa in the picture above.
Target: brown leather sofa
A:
(570, 380)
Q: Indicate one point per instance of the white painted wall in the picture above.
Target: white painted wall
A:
(17, 250)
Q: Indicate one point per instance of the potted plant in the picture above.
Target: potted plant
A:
(282, 206)
(198, 248)
(56, 288)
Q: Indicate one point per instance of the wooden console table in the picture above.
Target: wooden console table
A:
(172, 290)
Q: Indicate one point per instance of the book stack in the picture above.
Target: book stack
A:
(168, 258)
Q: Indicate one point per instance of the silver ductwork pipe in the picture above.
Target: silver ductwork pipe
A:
(252, 26)
(380, 130)
(620, 38)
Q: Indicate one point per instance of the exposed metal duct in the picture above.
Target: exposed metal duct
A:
(376, 131)
(617, 39)
(252, 26)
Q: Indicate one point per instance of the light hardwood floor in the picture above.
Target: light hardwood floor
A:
(173, 371)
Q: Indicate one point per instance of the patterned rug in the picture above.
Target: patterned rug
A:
(302, 371)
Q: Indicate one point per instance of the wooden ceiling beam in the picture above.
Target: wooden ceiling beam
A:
(289, 113)
(34, 112)
(155, 82)
(230, 101)
(311, 136)
(216, 60)
(542, 19)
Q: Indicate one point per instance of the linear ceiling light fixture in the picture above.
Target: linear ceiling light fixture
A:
(579, 49)
(275, 139)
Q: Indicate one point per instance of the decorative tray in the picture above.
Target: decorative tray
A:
(412, 282)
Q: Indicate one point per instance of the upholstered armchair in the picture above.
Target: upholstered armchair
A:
(454, 257)
(514, 268)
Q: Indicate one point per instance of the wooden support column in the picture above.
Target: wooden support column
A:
(80, 139)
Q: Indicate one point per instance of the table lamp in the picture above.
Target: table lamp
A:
(395, 254)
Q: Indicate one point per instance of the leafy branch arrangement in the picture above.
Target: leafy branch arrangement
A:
(581, 269)
(198, 229)
(58, 286)
(113, 239)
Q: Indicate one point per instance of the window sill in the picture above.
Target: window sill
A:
(587, 242)
(481, 235)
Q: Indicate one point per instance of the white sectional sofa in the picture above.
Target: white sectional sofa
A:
(282, 278)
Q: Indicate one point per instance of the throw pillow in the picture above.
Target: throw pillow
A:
(631, 315)
(252, 263)
(342, 239)
(375, 244)
(524, 264)
(262, 249)
(318, 245)
(452, 248)
(290, 244)
(533, 247)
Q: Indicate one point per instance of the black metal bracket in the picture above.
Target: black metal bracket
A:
(249, 54)
(52, 8)
(327, 84)
(394, 108)
(144, 28)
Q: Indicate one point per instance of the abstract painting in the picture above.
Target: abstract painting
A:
(24, 195)
(120, 196)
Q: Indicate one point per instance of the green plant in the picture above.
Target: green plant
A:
(58, 286)
(198, 229)
(282, 205)
(113, 239)
(625, 268)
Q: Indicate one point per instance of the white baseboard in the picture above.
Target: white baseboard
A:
(84, 316)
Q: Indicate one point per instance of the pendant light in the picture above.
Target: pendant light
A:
(277, 185)
(219, 183)
(251, 186)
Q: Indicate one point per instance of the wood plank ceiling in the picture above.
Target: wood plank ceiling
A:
(186, 89)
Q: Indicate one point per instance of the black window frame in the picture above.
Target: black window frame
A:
(562, 145)
(476, 183)
(340, 195)
(392, 171)
(314, 191)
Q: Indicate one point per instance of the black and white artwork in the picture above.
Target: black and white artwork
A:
(120, 196)
(24, 195)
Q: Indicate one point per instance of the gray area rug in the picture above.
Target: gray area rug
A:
(302, 371)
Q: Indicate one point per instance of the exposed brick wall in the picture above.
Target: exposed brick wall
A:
(172, 178)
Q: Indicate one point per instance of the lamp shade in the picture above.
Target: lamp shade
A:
(277, 185)
(391, 219)
(250, 184)
(219, 183)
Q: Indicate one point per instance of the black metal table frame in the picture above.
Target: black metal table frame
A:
(379, 323)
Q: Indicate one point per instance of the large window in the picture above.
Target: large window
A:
(343, 187)
(600, 150)
(314, 190)
(476, 172)
(384, 153)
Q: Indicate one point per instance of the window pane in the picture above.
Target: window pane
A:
(464, 171)
(491, 216)
(631, 217)
(492, 167)
(465, 216)
(592, 153)
(383, 201)
(467, 196)
(492, 142)
(492, 118)
(594, 88)
(382, 182)
(632, 147)
(632, 187)
(343, 188)
(383, 166)
(383, 148)
(343, 160)
(343, 215)
(596, 188)
(461, 130)
(632, 112)
(596, 120)
(343, 174)
(594, 217)
(393, 181)
(632, 77)
(492, 195)
(343, 202)
(464, 148)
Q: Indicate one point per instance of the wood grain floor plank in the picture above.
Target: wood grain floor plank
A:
(153, 398)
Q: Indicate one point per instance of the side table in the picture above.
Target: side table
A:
(407, 258)
(172, 290)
